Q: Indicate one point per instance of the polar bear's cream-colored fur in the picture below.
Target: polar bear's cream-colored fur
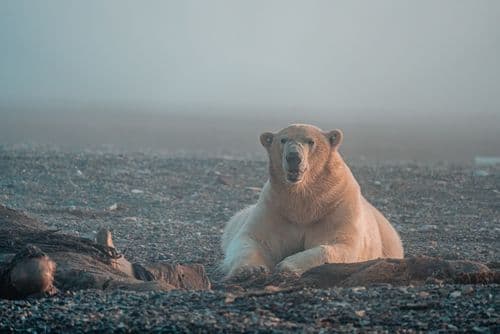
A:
(310, 211)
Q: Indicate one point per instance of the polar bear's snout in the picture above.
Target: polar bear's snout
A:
(294, 162)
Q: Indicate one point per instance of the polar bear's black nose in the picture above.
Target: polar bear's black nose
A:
(293, 159)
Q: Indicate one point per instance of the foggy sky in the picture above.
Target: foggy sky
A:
(404, 56)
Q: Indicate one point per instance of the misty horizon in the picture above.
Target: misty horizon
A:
(404, 56)
(404, 79)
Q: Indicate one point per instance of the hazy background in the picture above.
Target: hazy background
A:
(404, 79)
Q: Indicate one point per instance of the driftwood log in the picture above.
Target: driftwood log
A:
(413, 270)
(396, 272)
(34, 260)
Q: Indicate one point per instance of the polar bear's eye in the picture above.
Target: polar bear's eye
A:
(310, 142)
(283, 140)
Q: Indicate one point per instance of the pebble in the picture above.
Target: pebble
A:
(428, 227)
(423, 294)
(254, 189)
(360, 313)
(467, 289)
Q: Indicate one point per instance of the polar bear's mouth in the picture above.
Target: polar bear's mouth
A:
(294, 176)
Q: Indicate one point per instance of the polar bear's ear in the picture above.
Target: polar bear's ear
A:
(266, 139)
(335, 137)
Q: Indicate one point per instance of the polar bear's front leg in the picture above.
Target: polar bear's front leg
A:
(244, 258)
(316, 256)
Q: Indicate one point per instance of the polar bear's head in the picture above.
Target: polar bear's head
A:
(299, 152)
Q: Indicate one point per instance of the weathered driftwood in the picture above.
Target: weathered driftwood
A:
(29, 272)
(412, 270)
(28, 250)
(17, 230)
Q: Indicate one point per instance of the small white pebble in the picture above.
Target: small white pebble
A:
(423, 294)
(428, 227)
(360, 313)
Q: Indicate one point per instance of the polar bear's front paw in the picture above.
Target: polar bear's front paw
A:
(246, 272)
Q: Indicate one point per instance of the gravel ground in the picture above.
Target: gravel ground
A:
(174, 209)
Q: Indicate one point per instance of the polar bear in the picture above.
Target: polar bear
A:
(310, 211)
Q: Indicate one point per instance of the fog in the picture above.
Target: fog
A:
(403, 79)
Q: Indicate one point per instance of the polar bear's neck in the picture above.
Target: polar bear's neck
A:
(310, 201)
